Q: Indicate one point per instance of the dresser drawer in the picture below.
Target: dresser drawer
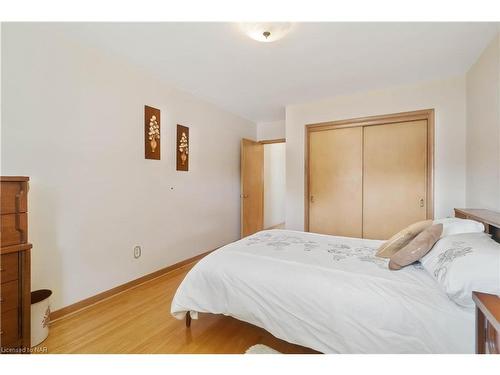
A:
(9, 329)
(9, 267)
(9, 295)
(14, 229)
(14, 197)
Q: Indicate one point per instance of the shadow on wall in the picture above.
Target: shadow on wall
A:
(46, 255)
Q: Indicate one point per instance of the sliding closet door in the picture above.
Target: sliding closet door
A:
(335, 181)
(394, 177)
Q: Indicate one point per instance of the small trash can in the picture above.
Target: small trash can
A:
(40, 315)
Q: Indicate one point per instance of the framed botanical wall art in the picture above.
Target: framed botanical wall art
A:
(182, 148)
(151, 133)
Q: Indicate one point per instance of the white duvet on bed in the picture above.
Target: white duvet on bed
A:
(327, 293)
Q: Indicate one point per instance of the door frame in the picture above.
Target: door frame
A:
(263, 142)
(269, 141)
(426, 114)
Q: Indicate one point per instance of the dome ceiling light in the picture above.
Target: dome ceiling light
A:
(266, 31)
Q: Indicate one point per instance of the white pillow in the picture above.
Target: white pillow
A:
(462, 263)
(454, 225)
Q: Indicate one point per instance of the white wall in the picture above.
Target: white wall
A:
(274, 184)
(274, 172)
(483, 129)
(73, 121)
(270, 130)
(447, 97)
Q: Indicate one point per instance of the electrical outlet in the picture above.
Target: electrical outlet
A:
(137, 252)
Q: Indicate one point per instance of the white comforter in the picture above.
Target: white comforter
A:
(327, 293)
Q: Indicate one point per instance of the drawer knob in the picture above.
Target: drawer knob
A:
(1, 300)
(1, 332)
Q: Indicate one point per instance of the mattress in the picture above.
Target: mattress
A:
(327, 293)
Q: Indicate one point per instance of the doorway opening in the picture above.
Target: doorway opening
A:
(262, 185)
(274, 185)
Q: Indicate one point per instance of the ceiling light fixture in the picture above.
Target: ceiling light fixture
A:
(266, 31)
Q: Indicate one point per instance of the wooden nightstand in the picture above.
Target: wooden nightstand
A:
(487, 323)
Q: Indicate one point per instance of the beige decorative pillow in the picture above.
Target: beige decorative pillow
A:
(417, 248)
(402, 238)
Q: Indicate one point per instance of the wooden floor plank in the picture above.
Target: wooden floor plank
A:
(139, 321)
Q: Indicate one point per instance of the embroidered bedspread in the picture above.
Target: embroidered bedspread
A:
(327, 293)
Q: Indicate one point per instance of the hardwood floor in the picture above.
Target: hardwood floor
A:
(139, 321)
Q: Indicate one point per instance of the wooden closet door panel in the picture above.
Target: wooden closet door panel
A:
(335, 181)
(394, 177)
(252, 187)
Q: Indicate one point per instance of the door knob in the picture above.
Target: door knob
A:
(243, 196)
(312, 198)
(422, 203)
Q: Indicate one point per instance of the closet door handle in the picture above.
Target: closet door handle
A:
(422, 202)
(311, 199)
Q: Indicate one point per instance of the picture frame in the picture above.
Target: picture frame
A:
(182, 148)
(152, 133)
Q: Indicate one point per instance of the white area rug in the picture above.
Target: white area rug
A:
(261, 349)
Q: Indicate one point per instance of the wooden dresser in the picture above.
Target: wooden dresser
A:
(15, 268)
(490, 219)
(487, 305)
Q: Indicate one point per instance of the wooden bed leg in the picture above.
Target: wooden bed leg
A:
(188, 319)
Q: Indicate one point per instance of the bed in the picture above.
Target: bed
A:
(327, 293)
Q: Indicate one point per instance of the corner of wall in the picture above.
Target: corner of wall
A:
(270, 130)
(483, 129)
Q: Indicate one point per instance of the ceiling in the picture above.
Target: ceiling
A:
(217, 62)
